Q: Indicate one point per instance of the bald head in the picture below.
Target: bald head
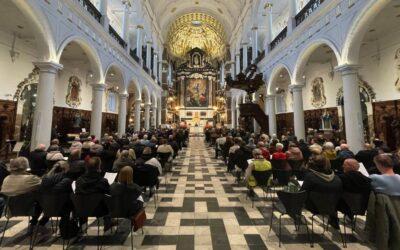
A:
(344, 146)
(41, 147)
(350, 165)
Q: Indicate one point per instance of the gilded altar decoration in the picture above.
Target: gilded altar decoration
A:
(318, 98)
(73, 98)
(197, 30)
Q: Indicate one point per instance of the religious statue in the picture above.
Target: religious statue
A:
(73, 98)
(326, 121)
(397, 58)
(318, 98)
(77, 120)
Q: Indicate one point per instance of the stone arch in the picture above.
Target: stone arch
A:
(274, 74)
(91, 53)
(45, 39)
(134, 86)
(120, 73)
(146, 95)
(359, 28)
(307, 52)
(154, 99)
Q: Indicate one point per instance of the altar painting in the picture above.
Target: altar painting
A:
(196, 93)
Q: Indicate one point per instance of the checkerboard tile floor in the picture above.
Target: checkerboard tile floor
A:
(200, 207)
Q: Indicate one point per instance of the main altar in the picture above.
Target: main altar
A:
(196, 85)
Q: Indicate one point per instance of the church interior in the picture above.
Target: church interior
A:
(199, 124)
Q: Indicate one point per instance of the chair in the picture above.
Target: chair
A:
(290, 204)
(280, 172)
(165, 164)
(357, 204)
(147, 176)
(261, 178)
(85, 206)
(53, 205)
(325, 204)
(20, 206)
(119, 208)
(296, 169)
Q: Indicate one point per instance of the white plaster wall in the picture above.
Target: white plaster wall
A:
(11, 74)
(379, 67)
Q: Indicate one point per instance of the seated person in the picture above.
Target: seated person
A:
(37, 160)
(320, 178)
(21, 182)
(55, 146)
(173, 144)
(345, 152)
(258, 163)
(52, 158)
(264, 150)
(77, 166)
(388, 182)
(148, 159)
(328, 150)
(251, 145)
(96, 149)
(294, 153)
(366, 156)
(279, 154)
(92, 182)
(165, 148)
(123, 160)
(125, 186)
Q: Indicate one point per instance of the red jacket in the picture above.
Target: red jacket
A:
(279, 155)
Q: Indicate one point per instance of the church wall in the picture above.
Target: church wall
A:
(13, 73)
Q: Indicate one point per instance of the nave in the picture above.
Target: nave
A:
(200, 206)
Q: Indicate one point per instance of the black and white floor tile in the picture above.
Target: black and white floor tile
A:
(200, 207)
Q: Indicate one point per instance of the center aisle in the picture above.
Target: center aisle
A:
(203, 208)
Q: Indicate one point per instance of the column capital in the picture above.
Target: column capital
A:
(50, 67)
(348, 69)
(98, 86)
(245, 43)
(123, 95)
(147, 105)
(149, 42)
(139, 26)
(138, 101)
(296, 87)
(254, 28)
(270, 97)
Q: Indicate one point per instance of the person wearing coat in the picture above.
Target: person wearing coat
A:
(37, 160)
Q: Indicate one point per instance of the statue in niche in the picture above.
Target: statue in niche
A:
(318, 98)
(397, 58)
(196, 61)
(73, 98)
(77, 120)
(326, 121)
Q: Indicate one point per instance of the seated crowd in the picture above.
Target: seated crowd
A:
(81, 166)
(317, 165)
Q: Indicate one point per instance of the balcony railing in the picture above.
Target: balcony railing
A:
(279, 38)
(115, 35)
(89, 7)
(146, 69)
(259, 57)
(307, 10)
(134, 56)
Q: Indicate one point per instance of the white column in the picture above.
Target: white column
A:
(103, 10)
(137, 114)
(255, 98)
(160, 67)
(43, 116)
(232, 68)
(155, 64)
(233, 114)
(292, 16)
(352, 107)
(154, 116)
(254, 32)
(271, 111)
(298, 112)
(147, 116)
(97, 109)
(222, 82)
(237, 59)
(139, 30)
(125, 23)
(237, 115)
(159, 113)
(245, 61)
(123, 97)
(169, 74)
(269, 34)
(148, 55)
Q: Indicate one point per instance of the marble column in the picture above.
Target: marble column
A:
(169, 74)
(103, 10)
(269, 35)
(237, 116)
(155, 64)
(43, 116)
(232, 68)
(352, 107)
(233, 115)
(137, 114)
(97, 109)
(159, 113)
(298, 111)
(147, 116)
(271, 111)
(237, 60)
(254, 32)
(222, 81)
(292, 16)
(154, 116)
(160, 66)
(139, 31)
(123, 97)
(245, 61)
(148, 55)
(257, 128)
